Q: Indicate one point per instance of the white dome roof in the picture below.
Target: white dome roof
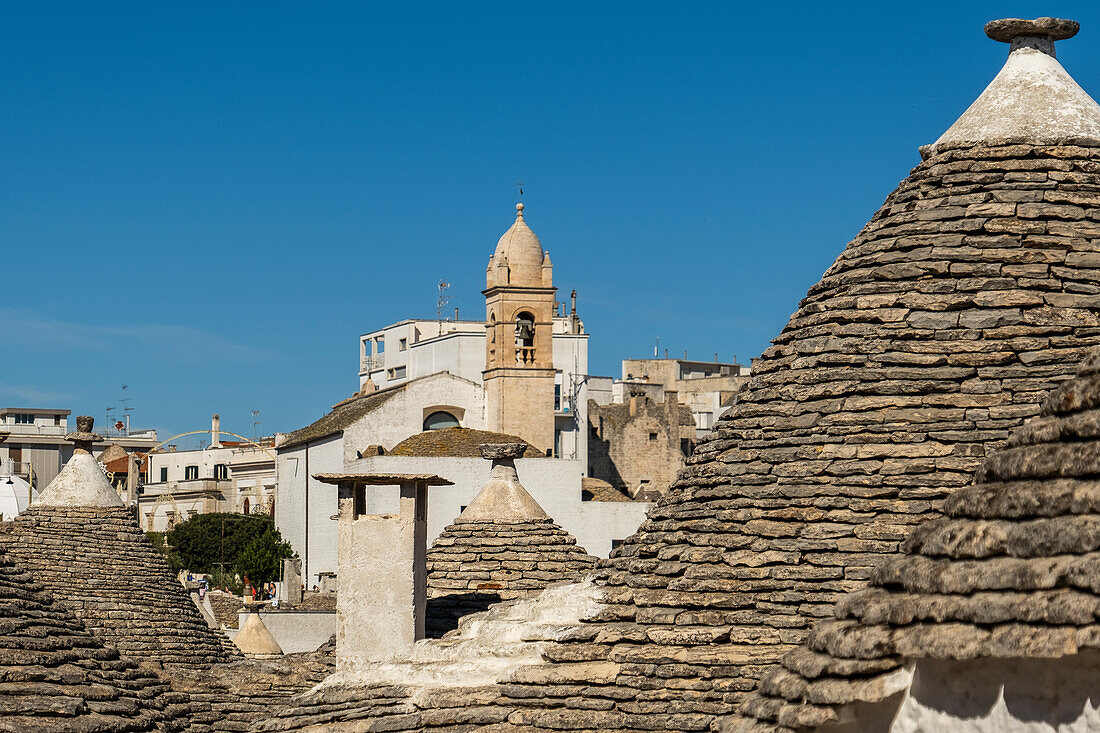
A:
(15, 493)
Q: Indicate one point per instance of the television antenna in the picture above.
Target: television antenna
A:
(441, 302)
(126, 409)
(255, 422)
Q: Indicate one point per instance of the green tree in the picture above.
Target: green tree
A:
(262, 558)
(206, 543)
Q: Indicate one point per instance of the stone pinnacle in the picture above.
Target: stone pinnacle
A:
(83, 438)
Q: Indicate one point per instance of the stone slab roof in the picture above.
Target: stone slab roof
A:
(456, 443)
(56, 676)
(594, 489)
(1012, 571)
(97, 562)
(472, 565)
(342, 415)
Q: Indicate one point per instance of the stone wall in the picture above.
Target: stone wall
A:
(639, 446)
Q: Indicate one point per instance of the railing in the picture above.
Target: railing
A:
(27, 429)
(370, 363)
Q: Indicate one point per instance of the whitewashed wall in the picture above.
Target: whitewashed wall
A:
(555, 485)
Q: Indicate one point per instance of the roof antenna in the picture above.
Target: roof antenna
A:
(441, 303)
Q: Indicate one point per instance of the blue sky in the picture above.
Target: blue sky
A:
(209, 202)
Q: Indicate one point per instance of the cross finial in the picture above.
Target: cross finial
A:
(520, 185)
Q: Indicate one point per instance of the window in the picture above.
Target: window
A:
(57, 420)
(397, 373)
(557, 396)
(24, 419)
(380, 345)
(439, 420)
(525, 338)
(246, 505)
(164, 474)
(653, 436)
(221, 472)
(403, 344)
(190, 473)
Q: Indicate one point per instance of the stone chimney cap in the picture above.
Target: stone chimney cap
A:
(1006, 30)
(83, 438)
(502, 451)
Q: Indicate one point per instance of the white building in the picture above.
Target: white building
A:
(227, 476)
(304, 507)
(35, 441)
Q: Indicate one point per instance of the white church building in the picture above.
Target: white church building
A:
(522, 372)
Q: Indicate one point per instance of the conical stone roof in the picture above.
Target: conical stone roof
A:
(1011, 572)
(503, 546)
(55, 676)
(90, 553)
(938, 330)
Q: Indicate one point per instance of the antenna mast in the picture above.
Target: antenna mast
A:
(255, 422)
(126, 409)
(441, 303)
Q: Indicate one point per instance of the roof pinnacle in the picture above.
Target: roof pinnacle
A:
(519, 210)
(83, 438)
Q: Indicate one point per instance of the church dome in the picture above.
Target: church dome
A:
(521, 252)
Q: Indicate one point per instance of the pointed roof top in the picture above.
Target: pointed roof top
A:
(254, 638)
(520, 247)
(81, 482)
(503, 500)
(1033, 99)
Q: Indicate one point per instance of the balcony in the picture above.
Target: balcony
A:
(18, 429)
(370, 363)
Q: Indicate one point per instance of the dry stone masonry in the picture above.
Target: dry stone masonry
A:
(1011, 573)
(498, 550)
(55, 676)
(970, 294)
(80, 542)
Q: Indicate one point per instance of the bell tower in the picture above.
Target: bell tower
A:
(519, 351)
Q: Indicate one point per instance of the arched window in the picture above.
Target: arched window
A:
(439, 420)
(525, 338)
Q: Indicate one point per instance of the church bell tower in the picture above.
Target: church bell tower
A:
(519, 357)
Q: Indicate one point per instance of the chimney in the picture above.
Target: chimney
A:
(215, 431)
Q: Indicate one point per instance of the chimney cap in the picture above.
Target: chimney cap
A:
(502, 451)
(1006, 30)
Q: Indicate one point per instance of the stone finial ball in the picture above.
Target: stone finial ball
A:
(497, 451)
(84, 423)
(1006, 29)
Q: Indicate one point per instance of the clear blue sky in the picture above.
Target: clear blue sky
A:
(209, 202)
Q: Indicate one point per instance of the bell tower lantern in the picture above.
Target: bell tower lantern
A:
(519, 357)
